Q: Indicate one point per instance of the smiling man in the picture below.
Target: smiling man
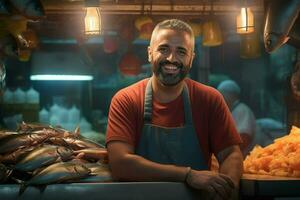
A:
(166, 128)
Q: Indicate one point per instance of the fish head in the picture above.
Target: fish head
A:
(82, 170)
(64, 152)
(273, 41)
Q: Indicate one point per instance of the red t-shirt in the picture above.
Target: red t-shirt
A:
(211, 117)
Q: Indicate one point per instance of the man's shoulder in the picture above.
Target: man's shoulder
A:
(199, 90)
(132, 91)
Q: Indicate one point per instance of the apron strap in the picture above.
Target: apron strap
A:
(187, 106)
(148, 104)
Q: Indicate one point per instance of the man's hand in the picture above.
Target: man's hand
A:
(219, 186)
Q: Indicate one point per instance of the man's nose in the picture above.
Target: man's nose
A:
(172, 57)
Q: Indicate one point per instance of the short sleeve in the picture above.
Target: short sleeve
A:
(121, 119)
(222, 130)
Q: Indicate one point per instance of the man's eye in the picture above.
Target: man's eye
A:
(163, 50)
(182, 53)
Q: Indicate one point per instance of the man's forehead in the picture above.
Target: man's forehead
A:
(171, 35)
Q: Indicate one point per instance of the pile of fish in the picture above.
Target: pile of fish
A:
(42, 155)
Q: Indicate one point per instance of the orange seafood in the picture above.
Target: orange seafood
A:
(282, 158)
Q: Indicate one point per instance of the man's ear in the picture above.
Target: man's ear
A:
(192, 59)
(149, 54)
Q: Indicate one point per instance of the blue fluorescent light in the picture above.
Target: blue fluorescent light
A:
(61, 77)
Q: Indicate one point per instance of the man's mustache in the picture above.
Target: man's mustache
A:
(165, 62)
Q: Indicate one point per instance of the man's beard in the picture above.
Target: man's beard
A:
(168, 79)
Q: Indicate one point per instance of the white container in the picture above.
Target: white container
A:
(54, 109)
(8, 96)
(19, 96)
(85, 126)
(74, 115)
(44, 116)
(32, 96)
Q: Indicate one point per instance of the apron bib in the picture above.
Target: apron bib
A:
(178, 146)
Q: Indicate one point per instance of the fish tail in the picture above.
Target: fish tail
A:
(23, 187)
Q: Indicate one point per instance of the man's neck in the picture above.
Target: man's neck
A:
(165, 94)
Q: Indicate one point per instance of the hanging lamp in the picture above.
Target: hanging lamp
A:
(245, 20)
(212, 34)
(250, 46)
(92, 20)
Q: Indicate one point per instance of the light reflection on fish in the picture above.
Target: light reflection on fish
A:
(14, 157)
(29, 8)
(42, 156)
(59, 172)
(13, 142)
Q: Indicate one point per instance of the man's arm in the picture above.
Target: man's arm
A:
(126, 165)
(231, 163)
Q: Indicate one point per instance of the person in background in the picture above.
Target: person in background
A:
(166, 127)
(243, 116)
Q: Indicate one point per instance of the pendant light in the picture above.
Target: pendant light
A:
(245, 20)
(92, 20)
(250, 46)
(212, 34)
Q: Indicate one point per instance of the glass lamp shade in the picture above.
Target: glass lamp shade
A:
(212, 35)
(250, 46)
(197, 28)
(92, 21)
(245, 21)
(145, 26)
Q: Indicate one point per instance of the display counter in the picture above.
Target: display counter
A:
(251, 186)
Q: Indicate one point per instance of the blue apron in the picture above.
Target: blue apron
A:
(178, 146)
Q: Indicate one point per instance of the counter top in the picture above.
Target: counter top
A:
(264, 185)
(251, 185)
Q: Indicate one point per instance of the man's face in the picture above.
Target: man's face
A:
(171, 55)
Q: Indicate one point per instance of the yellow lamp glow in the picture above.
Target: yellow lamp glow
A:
(92, 21)
(245, 21)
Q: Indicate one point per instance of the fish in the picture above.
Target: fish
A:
(29, 8)
(42, 156)
(280, 17)
(75, 143)
(4, 134)
(93, 154)
(14, 157)
(59, 172)
(16, 141)
(4, 7)
(28, 128)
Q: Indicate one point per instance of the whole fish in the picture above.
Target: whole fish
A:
(4, 7)
(59, 172)
(280, 17)
(42, 156)
(29, 8)
(93, 154)
(28, 128)
(15, 141)
(75, 143)
(14, 157)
